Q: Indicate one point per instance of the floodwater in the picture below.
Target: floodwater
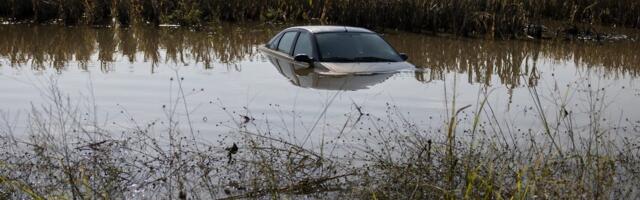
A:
(139, 75)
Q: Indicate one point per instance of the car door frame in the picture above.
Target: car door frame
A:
(314, 45)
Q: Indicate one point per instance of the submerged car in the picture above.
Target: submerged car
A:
(336, 50)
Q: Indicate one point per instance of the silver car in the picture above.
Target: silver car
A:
(336, 50)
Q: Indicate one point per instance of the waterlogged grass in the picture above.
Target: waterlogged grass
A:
(68, 153)
(493, 18)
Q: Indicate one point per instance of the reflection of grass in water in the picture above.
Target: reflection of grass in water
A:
(44, 46)
(482, 61)
(68, 153)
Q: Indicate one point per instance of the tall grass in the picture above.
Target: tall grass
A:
(492, 18)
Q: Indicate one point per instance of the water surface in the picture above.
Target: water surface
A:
(135, 76)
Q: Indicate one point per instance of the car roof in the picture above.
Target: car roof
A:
(326, 29)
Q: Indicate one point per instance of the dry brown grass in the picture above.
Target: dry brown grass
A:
(492, 18)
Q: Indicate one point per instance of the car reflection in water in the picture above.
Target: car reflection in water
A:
(300, 74)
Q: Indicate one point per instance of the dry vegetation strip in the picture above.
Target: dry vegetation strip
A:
(505, 18)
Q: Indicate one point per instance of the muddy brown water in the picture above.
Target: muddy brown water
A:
(130, 75)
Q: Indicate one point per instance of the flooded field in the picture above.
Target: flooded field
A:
(216, 85)
(128, 73)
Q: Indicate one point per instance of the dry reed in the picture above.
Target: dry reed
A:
(492, 18)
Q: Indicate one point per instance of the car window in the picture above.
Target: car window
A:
(286, 42)
(273, 43)
(355, 47)
(303, 45)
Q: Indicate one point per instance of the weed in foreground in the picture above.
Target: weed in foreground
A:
(68, 153)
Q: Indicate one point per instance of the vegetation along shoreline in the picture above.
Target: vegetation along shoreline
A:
(503, 19)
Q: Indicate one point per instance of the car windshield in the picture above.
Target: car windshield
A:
(355, 47)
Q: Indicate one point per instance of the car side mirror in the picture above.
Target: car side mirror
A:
(404, 56)
(302, 58)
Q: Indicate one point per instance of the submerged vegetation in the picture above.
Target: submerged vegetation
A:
(493, 18)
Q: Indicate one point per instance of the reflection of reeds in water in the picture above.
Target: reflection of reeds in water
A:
(127, 44)
(54, 46)
(46, 46)
(105, 39)
(465, 17)
(481, 59)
